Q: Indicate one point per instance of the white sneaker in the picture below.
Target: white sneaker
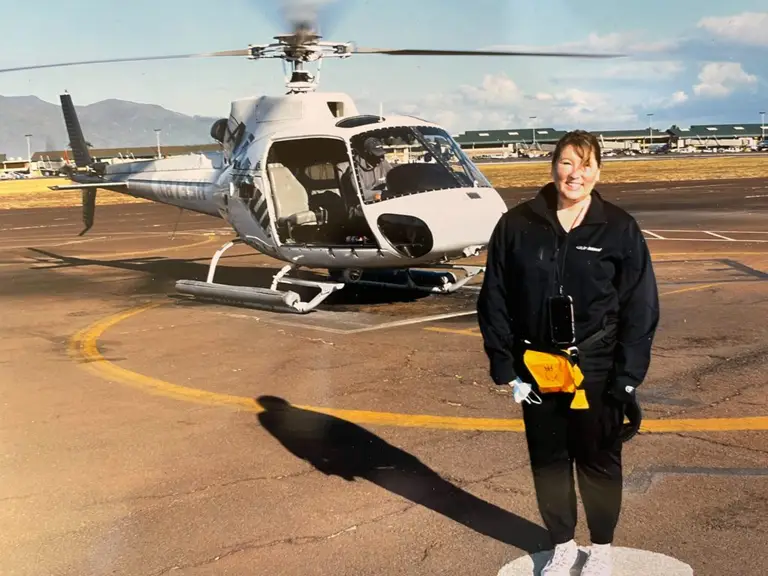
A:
(562, 560)
(599, 562)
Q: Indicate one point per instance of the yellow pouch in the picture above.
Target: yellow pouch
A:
(556, 373)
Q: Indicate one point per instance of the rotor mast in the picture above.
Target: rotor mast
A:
(300, 48)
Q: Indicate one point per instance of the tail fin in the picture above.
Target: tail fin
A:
(89, 208)
(76, 140)
(82, 157)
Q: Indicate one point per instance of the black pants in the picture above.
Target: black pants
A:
(559, 436)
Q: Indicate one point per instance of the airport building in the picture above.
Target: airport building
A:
(512, 142)
(12, 166)
(50, 162)
(733, 137)
(481, 145)
(528, 142)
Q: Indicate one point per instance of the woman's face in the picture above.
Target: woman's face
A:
(575, 178)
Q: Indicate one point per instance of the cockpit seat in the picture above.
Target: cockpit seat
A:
(305, 218)
(291, 198)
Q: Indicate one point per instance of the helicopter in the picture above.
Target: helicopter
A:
(308, 179)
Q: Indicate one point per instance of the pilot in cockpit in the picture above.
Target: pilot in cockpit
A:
(372, 167)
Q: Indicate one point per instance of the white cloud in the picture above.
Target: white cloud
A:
(627, 42)
(675, 99)
(499, 101)
(678, 98)
(747, 28)
(619, 92)
(496, 89)
(720, 79)
(629, 70)
(645, 70)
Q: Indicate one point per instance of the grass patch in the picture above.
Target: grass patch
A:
(34, 193)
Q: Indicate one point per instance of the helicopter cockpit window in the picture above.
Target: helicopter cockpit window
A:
(392, 162)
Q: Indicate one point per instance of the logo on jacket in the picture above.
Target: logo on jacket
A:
(589, 248)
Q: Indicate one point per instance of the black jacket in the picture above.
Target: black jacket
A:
(607, 271)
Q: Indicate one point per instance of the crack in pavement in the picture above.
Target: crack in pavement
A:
(301, 540)
(198, 490)
(293, 540)
(20, 497)
(431, 546)
(695, 376)
(720, 443)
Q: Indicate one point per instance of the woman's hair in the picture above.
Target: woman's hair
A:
(582, 141)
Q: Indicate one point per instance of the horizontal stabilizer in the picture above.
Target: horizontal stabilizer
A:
(91, 185)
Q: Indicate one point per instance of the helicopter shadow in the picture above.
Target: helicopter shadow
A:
(161, 273)
(337, 447)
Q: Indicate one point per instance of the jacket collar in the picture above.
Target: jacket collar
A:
(545, 205)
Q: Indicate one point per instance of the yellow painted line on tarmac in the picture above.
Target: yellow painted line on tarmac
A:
(459, 331)
(691, 288)
(702, 253)
(84, 348)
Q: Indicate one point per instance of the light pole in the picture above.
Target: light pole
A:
(157, 134)
(650, 131)
(533, 130)
(762, 126)
(29, 148)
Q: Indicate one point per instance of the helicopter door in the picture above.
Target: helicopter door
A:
(248, 212)
(312, 205)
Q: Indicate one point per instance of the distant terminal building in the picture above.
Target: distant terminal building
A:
(635, 140)
(718, 137)
(13, 165)
(510, 142)
(527, 142)
(50, 162)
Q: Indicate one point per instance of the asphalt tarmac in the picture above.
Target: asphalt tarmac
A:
(145, 434)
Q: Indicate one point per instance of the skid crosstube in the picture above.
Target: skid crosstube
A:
(254, 297)
(436, 279)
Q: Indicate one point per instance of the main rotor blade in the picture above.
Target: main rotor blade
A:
(242, 52)
(418, 52)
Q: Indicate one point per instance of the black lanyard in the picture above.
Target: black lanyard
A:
(560, 274)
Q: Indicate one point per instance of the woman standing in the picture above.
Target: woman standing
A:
(568, 311)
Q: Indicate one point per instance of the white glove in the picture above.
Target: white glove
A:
(522, 391)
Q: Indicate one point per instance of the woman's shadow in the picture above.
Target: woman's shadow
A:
(338, 447)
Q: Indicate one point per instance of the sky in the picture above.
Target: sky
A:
(688, 61)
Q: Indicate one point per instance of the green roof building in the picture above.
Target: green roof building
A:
(718, 135)
(512, 137)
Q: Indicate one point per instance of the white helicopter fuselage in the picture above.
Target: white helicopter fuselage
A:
(246, 185)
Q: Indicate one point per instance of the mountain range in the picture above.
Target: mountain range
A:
(106, 124)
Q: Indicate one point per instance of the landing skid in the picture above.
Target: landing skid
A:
(439, 279)
(265, 298)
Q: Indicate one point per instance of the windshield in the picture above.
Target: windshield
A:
(402, 160)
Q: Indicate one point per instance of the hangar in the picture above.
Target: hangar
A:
(50, 162)
(510, 142)
(541, 141)
(718, 136)
(636, 140)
